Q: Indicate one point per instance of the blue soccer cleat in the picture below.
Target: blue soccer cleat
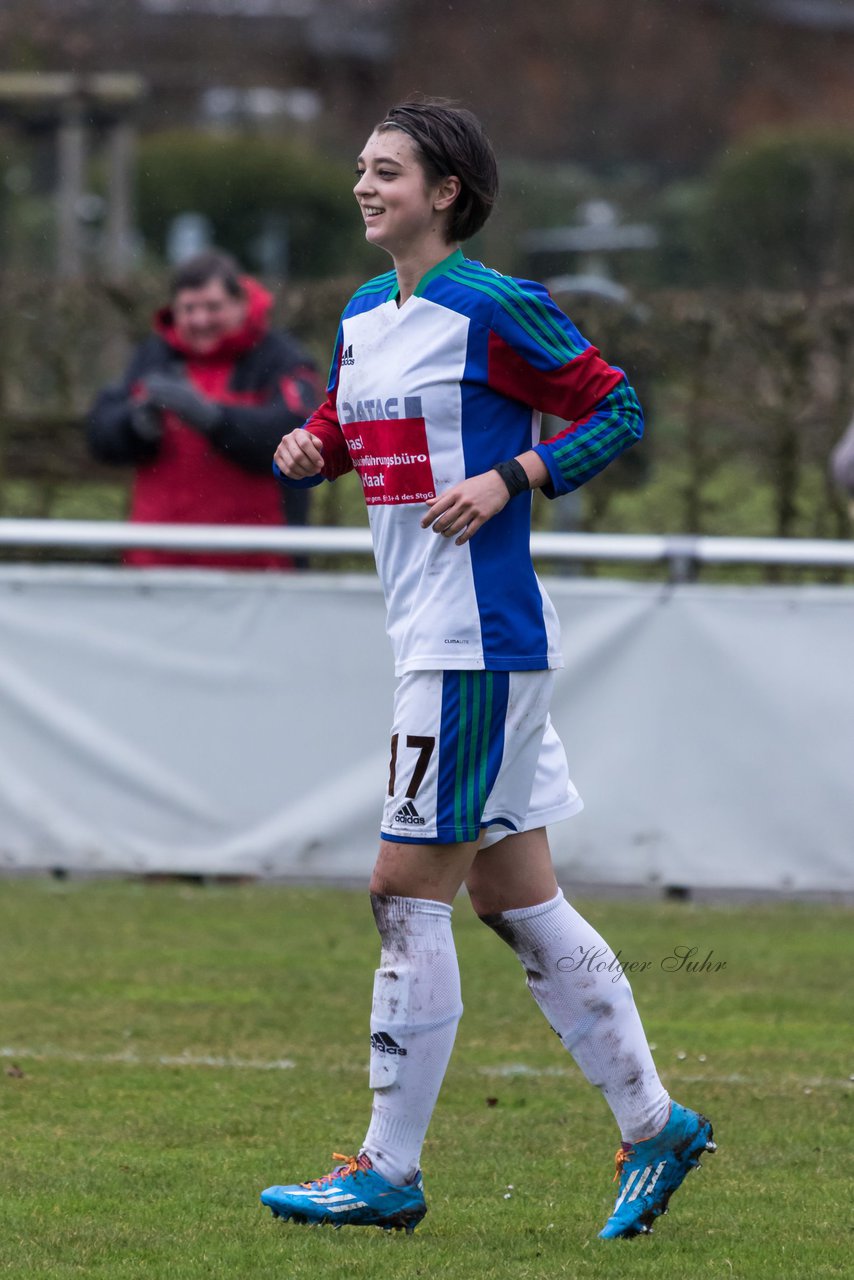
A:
(353, 1195)
(652, 1170)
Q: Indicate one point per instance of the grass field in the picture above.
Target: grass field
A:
(170, 1049)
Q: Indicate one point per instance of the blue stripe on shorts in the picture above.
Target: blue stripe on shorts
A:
(471, 748)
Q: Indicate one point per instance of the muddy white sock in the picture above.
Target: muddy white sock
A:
(577, 981)
(414, 1017)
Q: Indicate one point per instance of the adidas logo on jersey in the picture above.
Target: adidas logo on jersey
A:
(383, 1043)
(347, 357)
(407, 813)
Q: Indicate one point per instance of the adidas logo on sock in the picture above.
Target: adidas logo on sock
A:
(408, 814)
(383, 1043)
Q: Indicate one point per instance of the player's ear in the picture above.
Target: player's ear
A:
(446, 192)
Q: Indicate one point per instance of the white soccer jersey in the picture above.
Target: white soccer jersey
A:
(424, 395)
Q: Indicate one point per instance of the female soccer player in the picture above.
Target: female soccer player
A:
(442, 369)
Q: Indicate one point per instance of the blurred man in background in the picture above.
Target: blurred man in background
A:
(201, 408)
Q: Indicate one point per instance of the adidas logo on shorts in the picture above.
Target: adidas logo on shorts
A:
(407, 813)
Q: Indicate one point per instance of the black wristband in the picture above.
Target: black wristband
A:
(514, 476)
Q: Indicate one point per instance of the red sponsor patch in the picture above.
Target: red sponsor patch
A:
(392, 459)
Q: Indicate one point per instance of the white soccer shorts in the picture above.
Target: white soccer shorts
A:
(472, 750)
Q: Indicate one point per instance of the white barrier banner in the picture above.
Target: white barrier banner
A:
(225, 723)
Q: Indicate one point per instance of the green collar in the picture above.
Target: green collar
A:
(453, 260)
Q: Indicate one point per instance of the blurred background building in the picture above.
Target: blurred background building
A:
(632, 99)
(665, 83)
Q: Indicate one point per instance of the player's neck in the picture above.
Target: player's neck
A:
(413, 265)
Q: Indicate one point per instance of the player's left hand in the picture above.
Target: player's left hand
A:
(465, 507)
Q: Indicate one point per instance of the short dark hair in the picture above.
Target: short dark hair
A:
(451, 141)
(199, 270)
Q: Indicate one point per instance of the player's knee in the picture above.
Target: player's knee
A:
(484, 896)
(390, 919)
(499, 924)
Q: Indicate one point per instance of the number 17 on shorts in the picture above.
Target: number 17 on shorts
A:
(465, 747)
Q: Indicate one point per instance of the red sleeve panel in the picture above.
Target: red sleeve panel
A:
(569, 391)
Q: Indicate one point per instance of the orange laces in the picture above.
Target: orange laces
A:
(619, 1160)
(350, 1165)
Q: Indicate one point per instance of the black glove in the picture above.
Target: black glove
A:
(146, 422)
(175, 394)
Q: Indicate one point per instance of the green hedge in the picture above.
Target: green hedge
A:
(237, 182)
(746, 393)
(779, 212)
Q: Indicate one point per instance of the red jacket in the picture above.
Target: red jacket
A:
(266, 385)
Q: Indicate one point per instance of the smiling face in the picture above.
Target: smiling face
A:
(403, 213)
(204, 316)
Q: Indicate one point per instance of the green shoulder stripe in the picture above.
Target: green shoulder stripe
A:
(537, 311)
(528, 312)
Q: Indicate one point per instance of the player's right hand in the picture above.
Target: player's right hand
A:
(299, 455)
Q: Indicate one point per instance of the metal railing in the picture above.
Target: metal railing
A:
(682, 554)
